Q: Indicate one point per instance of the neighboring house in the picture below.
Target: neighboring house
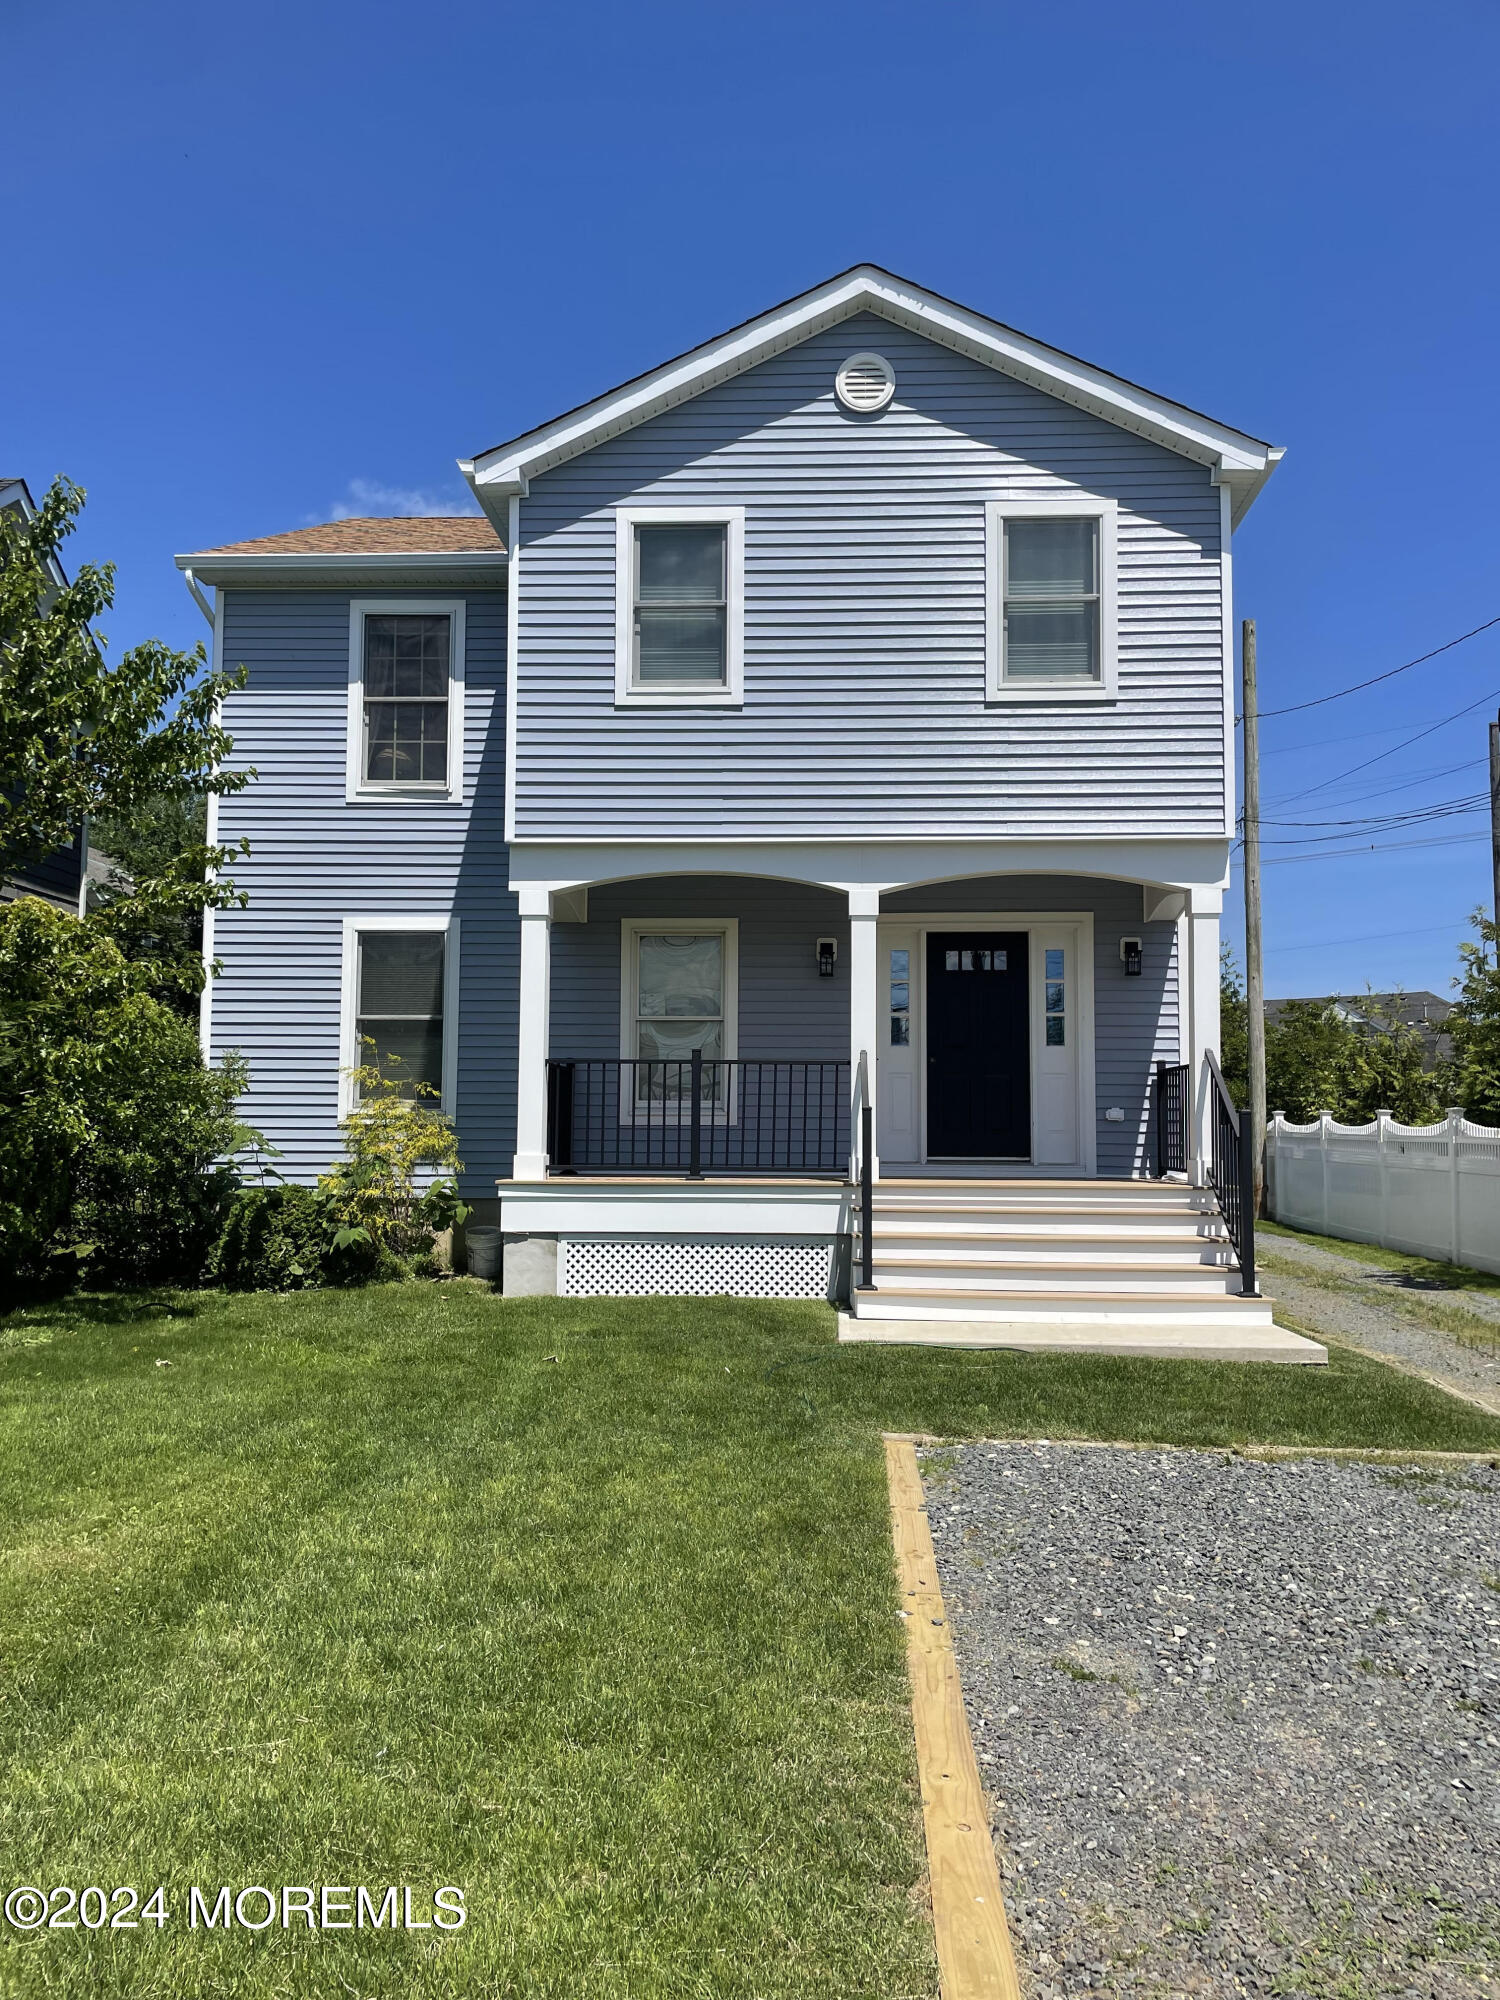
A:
(1380, 1013)
(846, 699)
(62, 877)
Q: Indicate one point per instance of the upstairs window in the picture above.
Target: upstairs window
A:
(680, 607)
(678, 612)
(405, 700)
(1051, 600)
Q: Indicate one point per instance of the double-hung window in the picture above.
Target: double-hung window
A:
(1051, 600)
(400, 978)
(679, 995)
(679, 614)
(405, 699)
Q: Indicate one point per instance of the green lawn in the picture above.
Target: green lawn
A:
(584, 1607)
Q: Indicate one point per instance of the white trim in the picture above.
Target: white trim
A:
(1238, 459)
(1082, 980)
(512, 658)
(1226, 602)
(657, 695)
(357, 789)
(632, 929)
(1076, 507)
(297, 568)
(1200, 862)
(403, 920)
(210, 839)
(579, 1206)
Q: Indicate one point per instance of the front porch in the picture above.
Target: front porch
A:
(711, 1062)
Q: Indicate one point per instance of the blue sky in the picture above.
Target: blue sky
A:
(268, 266)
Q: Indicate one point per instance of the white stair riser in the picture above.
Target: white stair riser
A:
(1070, 1310)
(987, 1281)
(1189, 1251)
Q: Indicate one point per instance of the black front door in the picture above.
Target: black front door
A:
(978, 1046)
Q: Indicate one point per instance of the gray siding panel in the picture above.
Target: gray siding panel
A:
(864, 618)
(316, 859)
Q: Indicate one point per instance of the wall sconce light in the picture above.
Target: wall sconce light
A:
(828, 955)
(1130, 951)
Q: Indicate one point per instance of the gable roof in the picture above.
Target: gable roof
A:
(1239, 461)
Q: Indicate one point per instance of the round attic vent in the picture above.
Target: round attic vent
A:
(865, 382)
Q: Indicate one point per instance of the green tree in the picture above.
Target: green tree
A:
(1317, 1059)
(1474, 1025)
(1234, 1028)
(110, 1122)
(82, 738)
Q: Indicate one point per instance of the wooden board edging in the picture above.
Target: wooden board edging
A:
(975, 1959)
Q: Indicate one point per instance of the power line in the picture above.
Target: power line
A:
(1369, 937)
(1383, 822)
(1375, 679)
(1381, 755)
(1388, 847)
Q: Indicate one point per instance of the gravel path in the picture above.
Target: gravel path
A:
(1239, 1722)
(1377, 1309)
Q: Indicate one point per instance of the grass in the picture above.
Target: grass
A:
(585, 1607)
(1432, 1297)
(1422, 1271)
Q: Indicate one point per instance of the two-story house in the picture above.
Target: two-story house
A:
(811, 774)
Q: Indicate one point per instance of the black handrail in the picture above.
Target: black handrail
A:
(1231, 1171)
(1171, 1119)
(697, 1115)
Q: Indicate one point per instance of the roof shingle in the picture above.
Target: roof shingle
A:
(449, 534)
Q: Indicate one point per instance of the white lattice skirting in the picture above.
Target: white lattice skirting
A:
(696, 1268)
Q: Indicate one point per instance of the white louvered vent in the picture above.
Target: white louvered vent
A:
(865, 382)
(701, 1268)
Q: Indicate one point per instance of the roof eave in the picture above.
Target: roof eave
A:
(364, 565)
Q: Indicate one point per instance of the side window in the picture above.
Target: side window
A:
(1056, 999)
(1050, 590)
(399, 976)
(406, 684)
(679, 606)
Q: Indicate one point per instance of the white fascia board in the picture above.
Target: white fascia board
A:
(572, 1207)
(1231, 453)
(366, 566)
(1198, 861)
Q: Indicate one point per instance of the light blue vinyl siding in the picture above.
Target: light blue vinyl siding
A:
(864, 618)
(316, 859)
(1136, 1020)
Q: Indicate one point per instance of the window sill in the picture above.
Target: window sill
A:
(1045, 693)
(679, 698)
(431, 795)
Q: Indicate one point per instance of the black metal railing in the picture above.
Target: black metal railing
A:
(1171, 1118)
(1231, 1171)
(697, 1116)
(864, 1171)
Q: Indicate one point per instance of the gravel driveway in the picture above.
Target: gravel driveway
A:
(1239, 1722)
(1451, 1335)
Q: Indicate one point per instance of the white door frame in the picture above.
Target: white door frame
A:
(1080, 1010)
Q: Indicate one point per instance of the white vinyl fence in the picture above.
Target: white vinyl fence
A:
(1431, 1190)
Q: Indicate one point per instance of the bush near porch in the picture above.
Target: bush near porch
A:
(585, 1606)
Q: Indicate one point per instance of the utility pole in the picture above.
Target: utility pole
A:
(1495, 815)
(1255, 983)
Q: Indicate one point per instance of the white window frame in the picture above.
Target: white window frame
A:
(656, 695)
(1086, 507)
(632, 929)
(349, 1051)
(359, 789)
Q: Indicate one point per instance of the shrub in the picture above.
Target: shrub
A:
(394, 1131)
(280, 1239)
(111, 1123)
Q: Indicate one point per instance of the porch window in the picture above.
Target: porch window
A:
(681, 999)
(1056, 999)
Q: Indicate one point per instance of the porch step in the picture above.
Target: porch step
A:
(1203, 1236)
(1237, 1341)
(1080, 1274)
(1077, 1307)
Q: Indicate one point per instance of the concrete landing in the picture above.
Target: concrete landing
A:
(1177, 1343)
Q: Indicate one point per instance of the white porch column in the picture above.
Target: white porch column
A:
(864, 994)
(534, 1006)
(1200, 1007)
